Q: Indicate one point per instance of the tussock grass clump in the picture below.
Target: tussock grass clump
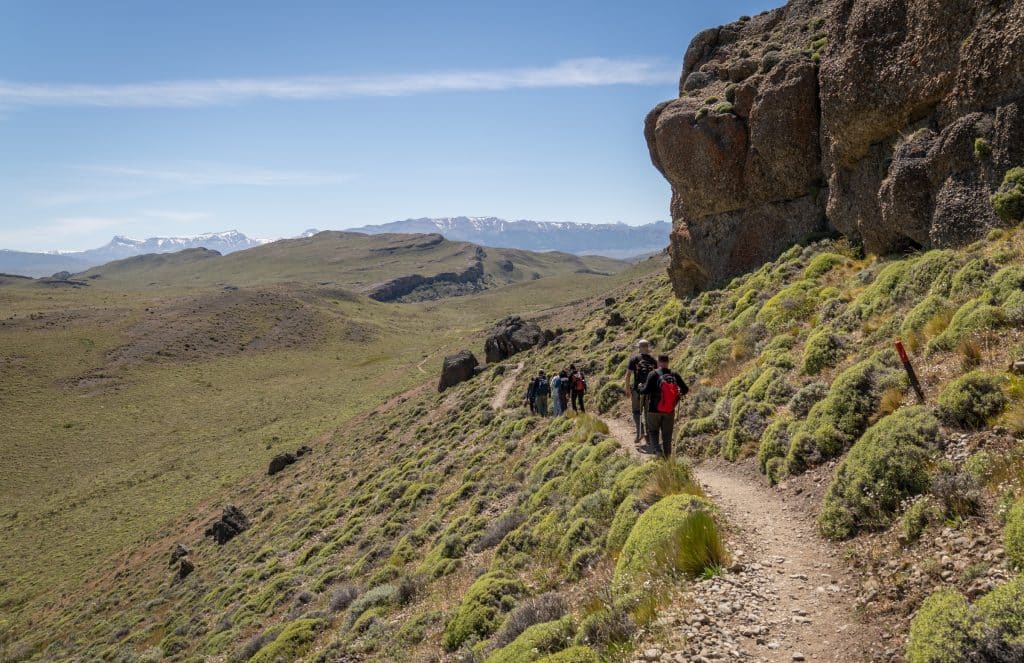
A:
(887, 465)
(672, 476)
(695, 548)
(652, 533)
(973, 399)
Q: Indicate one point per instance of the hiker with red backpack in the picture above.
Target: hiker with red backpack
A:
(639, 367)
(577, 387)
(664, 389)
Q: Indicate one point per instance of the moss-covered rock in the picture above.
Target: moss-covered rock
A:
(888, 464)
(480, 613)
(938, 633)
(652, 532)
(972, 399)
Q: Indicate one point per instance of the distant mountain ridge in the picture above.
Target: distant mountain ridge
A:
(45, 264)
(614, 240)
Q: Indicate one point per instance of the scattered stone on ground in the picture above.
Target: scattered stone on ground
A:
(185, 567)
(280, 461)
(180, 550)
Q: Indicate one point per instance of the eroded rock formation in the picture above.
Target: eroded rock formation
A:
(890, 121)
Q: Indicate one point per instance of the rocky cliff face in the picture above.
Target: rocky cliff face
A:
(890, 121)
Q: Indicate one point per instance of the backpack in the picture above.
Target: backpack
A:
(543, 387)
(578, 382)
(668, 393)
(644, 366)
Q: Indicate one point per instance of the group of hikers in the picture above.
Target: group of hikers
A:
(654, 391)
(561, 389)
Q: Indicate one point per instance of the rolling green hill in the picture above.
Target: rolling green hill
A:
(380, 266)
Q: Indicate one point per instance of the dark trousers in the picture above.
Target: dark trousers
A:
(636, 400)
(577, 401)
(659, 431)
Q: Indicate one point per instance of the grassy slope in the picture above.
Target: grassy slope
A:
(112, 444)
(401, 496)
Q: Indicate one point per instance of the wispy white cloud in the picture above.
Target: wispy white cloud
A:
(201, 175)
(583, 72)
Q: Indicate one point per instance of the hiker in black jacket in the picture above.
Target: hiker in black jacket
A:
(530, 394)
(664, 388)
(639, 367)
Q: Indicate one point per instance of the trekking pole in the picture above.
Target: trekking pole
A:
(910, 371)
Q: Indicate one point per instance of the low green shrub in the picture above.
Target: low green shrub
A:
(834, 423)
(822, 350)
(794, 304)
(938, 633)
(608, 396)
(888, 464)
(974, 316)
(576, 654)
(972, 399)
(295, 640)
(535, 642)
(1013, 534)
(626, 515)
(823, 263)
(918, 516)
(999, 618)
(774, 443)
(653, 531)
(482, 608)
(1008, 200)
(971, 278)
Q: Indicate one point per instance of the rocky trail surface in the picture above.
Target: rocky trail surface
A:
(787, 596)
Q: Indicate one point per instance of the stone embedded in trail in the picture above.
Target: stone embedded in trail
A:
(511, 336)
(231, 523)
(457, 368)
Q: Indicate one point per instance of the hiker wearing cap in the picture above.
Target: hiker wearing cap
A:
(663, 388)
(541, 391)
(639, 367)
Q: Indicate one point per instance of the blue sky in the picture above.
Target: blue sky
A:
(175, 118)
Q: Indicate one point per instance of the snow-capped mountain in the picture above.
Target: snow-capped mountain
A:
(615, 240)
(125, 247)
(45, 264)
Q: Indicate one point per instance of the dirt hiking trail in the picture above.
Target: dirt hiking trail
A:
(505, 388)
(788, 596)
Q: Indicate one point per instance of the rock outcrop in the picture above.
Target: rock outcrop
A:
(510, 336)
(283, 460)
(397, 288)
(457, 368)
(889, 121)
(231, 523)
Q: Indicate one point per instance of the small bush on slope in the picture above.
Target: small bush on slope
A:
(294, 641)
(652, 533)
(972, 399)
(888, 464)
(1008, 201)
(490, 596)
(948, 630)
(535, 642)
(822, 350)
(1013, 535)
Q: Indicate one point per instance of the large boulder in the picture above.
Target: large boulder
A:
(457, 368)
(510, 336)
(857, 116)
(231, 523)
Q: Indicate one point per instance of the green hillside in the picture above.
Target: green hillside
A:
(455, 527)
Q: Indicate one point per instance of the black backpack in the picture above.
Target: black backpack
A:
(543, 387)
(644, 366)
